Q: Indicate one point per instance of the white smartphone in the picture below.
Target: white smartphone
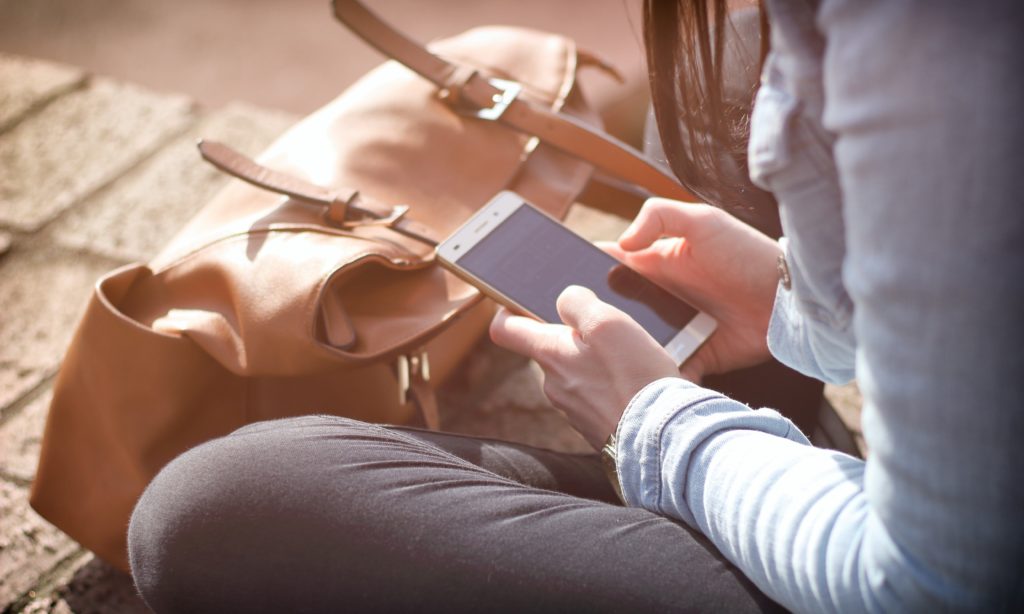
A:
(523, 258)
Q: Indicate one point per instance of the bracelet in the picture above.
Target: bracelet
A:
(611, 471)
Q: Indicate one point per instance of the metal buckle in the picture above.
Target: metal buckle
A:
(402, 367)
(397, 213)
(407, 367)
(509, 91)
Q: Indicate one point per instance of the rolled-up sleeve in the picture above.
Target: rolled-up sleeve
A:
(923, 99)
(789, 515)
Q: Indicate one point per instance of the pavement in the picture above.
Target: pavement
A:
(96, 173)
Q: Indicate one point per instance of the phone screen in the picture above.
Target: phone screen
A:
(531, 258)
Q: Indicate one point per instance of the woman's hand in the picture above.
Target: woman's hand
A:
(593, 364)
(600, 358)
(716, 262)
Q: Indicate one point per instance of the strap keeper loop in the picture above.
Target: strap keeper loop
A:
(454, 84)
(337, 212)
(452, 93)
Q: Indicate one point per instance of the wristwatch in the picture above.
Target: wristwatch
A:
(608, 456)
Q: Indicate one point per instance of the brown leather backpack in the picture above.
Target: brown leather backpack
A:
(312, 287)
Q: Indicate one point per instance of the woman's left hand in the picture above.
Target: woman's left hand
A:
(593, 364)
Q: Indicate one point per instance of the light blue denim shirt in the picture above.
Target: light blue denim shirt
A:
(892, 135)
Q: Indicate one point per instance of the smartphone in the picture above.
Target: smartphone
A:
(524, 259)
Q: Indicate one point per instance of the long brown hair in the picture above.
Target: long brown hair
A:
(700, 130)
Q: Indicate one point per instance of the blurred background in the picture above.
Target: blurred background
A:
(291, 55)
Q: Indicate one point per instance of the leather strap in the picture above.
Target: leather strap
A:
(422, 394)
(474, 92)
(412, 374)
(344, 207)
(237, 164)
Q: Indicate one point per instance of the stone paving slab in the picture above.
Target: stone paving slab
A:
(77, 144)
(16, 382)
(42, 293)
(88, 585)
(29, 546)
(26, 84)
(20, 438)
(133, 218)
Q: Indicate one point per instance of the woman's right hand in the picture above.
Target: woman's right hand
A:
(716, 262)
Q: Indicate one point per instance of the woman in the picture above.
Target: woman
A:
(888, 132)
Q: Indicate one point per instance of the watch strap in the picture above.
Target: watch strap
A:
(609, 459)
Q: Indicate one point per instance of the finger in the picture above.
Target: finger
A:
(657, 218)
(524, 335)
(648, 262)
(582, 311)
(645, 260)
(612, 249)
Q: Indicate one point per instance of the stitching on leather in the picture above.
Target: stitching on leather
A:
(568, 77)
(228, 239)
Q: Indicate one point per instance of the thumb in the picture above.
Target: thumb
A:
(583, 311)
(576, 306)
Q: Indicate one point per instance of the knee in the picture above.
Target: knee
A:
(159, 526)
(210, 509)
(180, 509)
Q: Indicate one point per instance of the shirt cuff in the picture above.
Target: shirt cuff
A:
(802, 337)
(663, 426)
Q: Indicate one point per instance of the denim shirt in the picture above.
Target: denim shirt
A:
(891, 135)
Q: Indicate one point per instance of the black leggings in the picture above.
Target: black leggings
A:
(327, 514)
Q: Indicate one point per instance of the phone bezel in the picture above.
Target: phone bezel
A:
(490, 216)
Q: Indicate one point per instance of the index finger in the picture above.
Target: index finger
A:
(657, 218)
(526, 336)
